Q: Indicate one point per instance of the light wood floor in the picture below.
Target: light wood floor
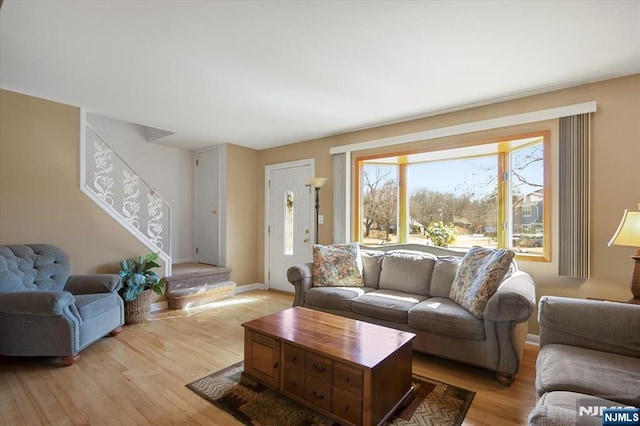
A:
(139, 376)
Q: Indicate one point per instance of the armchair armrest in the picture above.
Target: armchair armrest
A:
(513, 301)
(301, 278)
(36, 302)
(591, 324)
(96, 283)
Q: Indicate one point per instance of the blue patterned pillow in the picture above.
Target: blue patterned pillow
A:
(337, 265)
(478, 276)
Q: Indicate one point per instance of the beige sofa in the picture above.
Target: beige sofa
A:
(589, 360)
(407, 287)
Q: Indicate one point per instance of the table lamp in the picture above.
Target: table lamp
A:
(628, 234)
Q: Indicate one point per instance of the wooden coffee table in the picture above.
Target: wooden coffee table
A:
(351, 371)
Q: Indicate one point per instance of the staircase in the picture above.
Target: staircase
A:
(196, 284)
(116, 188)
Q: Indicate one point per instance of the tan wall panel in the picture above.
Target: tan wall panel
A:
(40, 199)
(615, 174)
(242, 214)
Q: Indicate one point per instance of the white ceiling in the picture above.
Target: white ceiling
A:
(268, 73)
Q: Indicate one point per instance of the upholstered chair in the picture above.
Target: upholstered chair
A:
(46, 311)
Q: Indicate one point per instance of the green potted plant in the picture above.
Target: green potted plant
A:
(138, 281)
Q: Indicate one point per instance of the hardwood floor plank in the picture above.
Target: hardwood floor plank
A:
(9, 409)
(139, 376)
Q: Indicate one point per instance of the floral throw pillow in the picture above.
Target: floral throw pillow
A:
(337, 265)
(478, 276)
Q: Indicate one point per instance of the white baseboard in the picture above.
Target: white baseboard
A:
(249, 287)
(533, 339)
(158, 306)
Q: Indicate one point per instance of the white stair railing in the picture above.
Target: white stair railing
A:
(113, 185)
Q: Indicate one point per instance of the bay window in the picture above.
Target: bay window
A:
(488, 194)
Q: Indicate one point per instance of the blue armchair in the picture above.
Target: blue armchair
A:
(46, 311)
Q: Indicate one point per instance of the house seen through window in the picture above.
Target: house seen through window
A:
(489, 194)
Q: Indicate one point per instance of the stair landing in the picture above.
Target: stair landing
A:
(196, 284)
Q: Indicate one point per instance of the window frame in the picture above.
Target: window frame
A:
(504, 188)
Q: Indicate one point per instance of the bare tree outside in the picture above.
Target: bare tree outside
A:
(380, 199)
(459, 199)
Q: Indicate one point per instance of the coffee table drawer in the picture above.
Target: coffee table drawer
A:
(346, 406)
(319, 367)
(293, 357)
(348, 378)
(318, 393)
(294, 382)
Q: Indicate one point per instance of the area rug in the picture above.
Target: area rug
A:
(432, 403)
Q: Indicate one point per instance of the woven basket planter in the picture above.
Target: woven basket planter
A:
(137, 311)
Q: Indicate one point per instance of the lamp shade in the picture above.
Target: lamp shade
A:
(628, 233)
(316, 182)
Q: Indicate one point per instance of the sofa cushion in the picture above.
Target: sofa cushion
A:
(388, 305)
(337, 266)
(563, 408)
(478, 276)
(442, 316)
(407, 271)
(25, 267)
(444, 272)
(334, 297)
(371, 262)
(92, 305)
(600, 374)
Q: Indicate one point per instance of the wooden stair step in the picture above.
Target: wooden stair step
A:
(189, 297)
(195, 275)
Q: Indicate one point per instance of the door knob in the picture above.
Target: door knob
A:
(214, 211)
(306, 240)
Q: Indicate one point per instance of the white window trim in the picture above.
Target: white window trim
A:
(474, 126)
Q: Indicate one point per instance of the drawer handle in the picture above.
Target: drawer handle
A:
(275, 364)
(346, 380)
(293, 358)
(318, 395)
(346, 408)
(319, 368)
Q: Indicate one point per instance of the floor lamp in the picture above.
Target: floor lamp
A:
(317, 183)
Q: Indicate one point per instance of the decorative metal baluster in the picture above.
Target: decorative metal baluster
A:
(130, 203)
(154, 225)
(102, 179)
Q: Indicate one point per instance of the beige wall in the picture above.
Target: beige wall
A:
(242, 218)
(40, 199)
(615, 174)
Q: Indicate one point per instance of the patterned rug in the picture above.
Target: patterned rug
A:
(432, 402)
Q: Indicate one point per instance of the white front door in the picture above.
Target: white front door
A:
(208, 165)
(290, 213)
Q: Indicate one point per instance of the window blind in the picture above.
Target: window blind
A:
(341, 197)
(573, 206)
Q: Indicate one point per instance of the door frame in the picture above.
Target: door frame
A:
(268, 169)
(222, 202)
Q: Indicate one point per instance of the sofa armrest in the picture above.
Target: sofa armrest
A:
(591, 324)
(91, 284)
(513, 301)
(301, 278)
(44, 303)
